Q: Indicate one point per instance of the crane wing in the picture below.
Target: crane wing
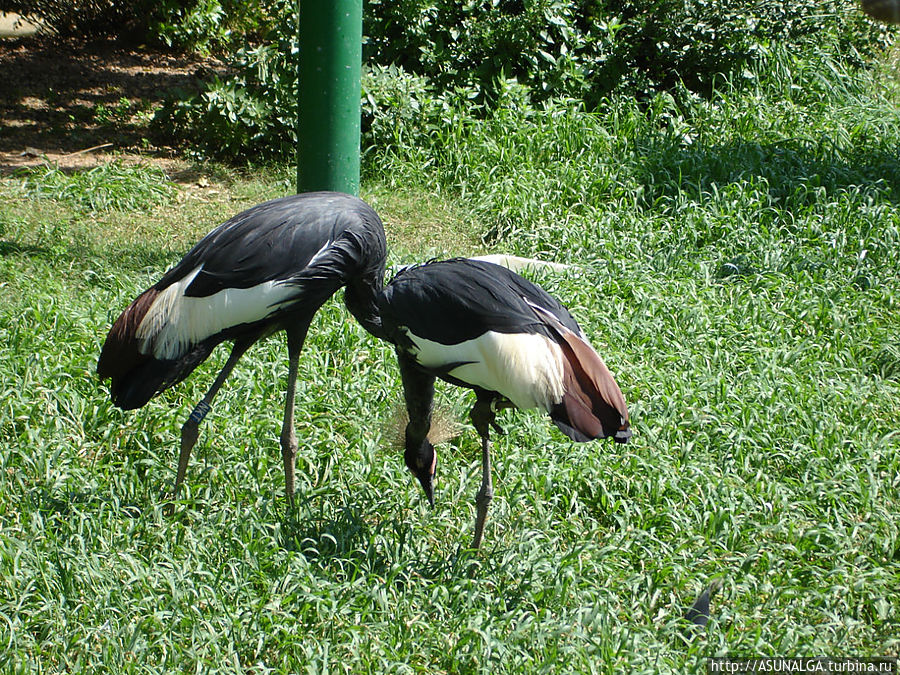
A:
(593, 404)
(457, 300)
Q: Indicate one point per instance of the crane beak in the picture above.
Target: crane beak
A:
(421, 460)
(428, 485)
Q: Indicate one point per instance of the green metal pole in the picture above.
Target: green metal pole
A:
(328, 118)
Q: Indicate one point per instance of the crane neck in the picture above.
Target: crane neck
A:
(360, 297)
(366, 255)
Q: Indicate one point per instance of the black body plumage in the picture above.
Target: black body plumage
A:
(313, 242)
(455, 300)
(266, 269)
(276, 240)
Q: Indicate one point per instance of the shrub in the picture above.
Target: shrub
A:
(426, 56)
(207, 26)
(199, 25)
(590, 48)
(251, 115)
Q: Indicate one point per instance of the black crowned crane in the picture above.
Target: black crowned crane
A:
(479, 325)
(267, 269)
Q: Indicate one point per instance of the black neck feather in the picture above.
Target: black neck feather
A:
(359, 297)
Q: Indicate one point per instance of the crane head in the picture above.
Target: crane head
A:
(421, 460)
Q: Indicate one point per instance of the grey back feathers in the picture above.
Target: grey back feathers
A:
(266, 269)
(699, 613)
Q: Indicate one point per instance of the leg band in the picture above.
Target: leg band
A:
(200, 412)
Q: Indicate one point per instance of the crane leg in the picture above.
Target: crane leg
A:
(295, 341)
(191, 429)
(483, 418)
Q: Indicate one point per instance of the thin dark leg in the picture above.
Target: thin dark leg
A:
(295, 339)
(482, 416)
(191, 429)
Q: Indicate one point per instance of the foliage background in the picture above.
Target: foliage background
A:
(425, 57)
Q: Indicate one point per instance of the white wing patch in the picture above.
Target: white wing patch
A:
(525, 368)
(175, 321)
(164, 310)
(518, 264)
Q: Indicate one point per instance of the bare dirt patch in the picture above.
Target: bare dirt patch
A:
(79, 105)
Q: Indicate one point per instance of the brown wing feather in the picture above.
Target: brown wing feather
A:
(579, 409)
(590, 368)
(592, 400)
(592, 386)
(120, 351)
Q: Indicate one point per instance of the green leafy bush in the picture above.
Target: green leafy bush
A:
(592, 48)
(208, 26)
(472, 44)
(198, 25)
(425, 57)
(252, 114)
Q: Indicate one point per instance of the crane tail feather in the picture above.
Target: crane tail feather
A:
(592, 405)
(137, 377)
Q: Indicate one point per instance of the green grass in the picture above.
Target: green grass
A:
(103, 188)
(739, 272)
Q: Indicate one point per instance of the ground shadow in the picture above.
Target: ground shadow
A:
(65, 97)
(792, 170)
(134, 258)
(359, 539)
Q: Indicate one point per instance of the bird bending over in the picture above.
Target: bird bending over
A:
(481, 326)
(265, 270)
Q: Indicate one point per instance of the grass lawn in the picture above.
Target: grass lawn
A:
(739, 269)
